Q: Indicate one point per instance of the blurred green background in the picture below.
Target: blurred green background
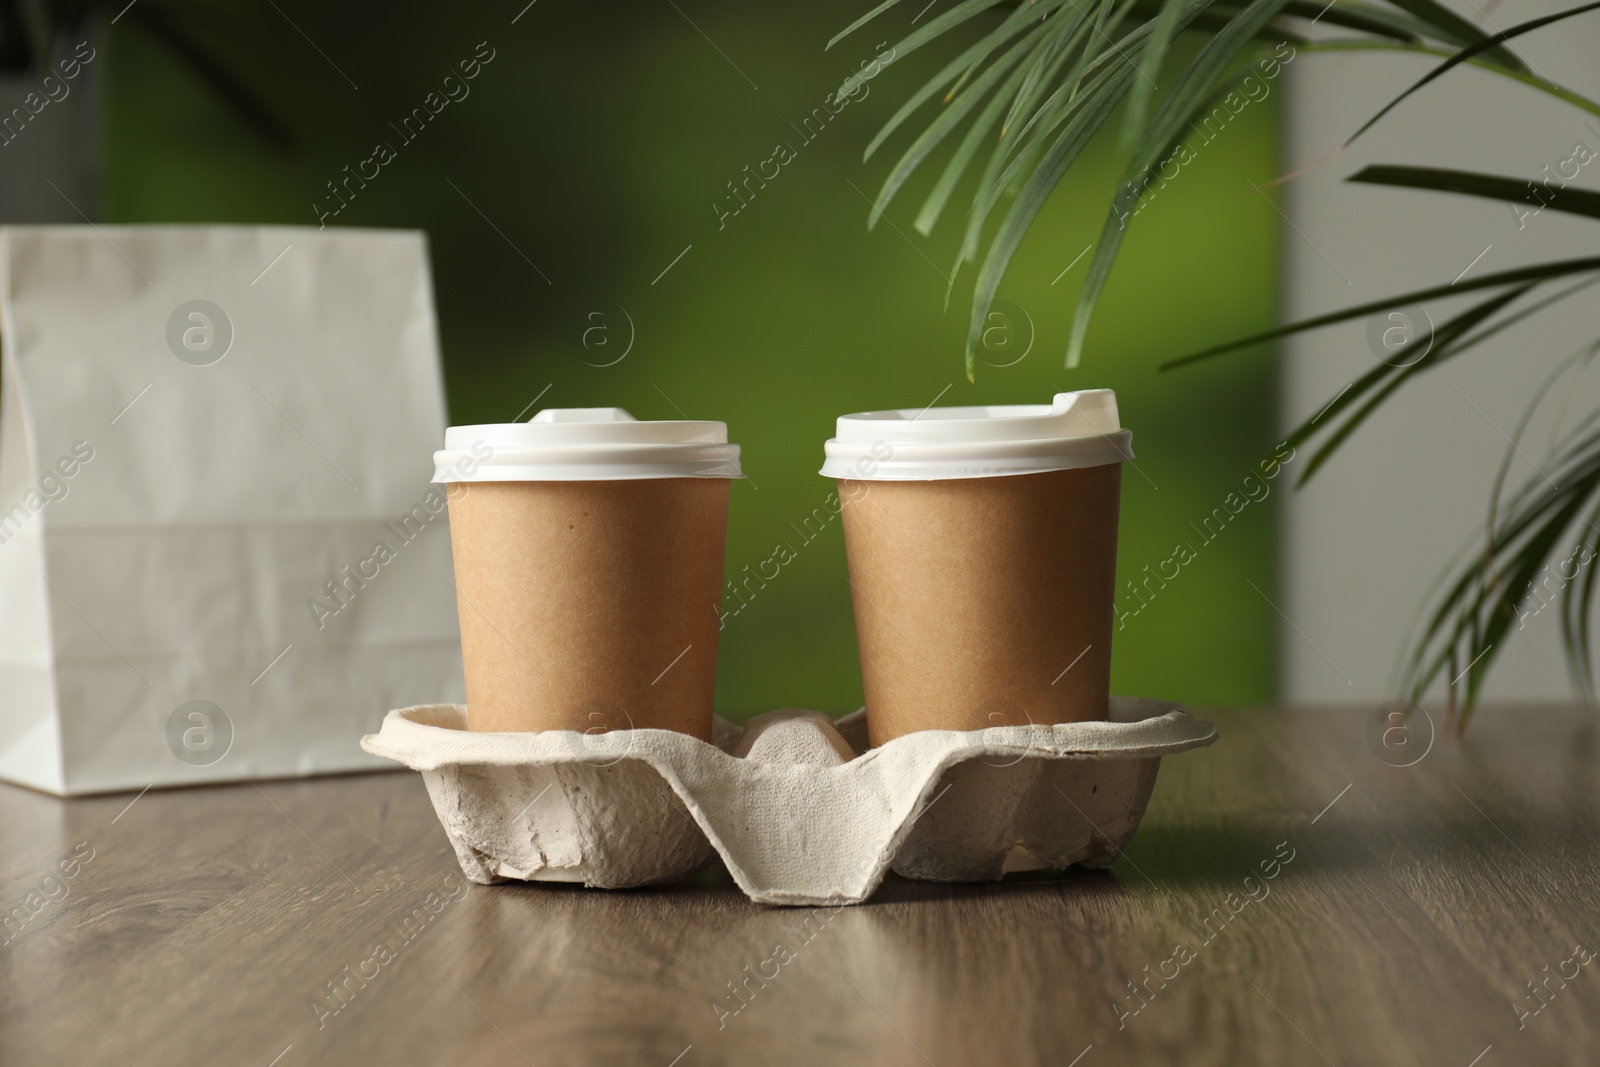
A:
(587, 159)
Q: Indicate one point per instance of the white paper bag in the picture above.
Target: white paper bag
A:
(220, 554)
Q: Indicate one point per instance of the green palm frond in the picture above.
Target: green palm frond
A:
(1194, 86)
(1038, 79)
(1532, 81)
(1560, 268)
(1470, 183)
(1540, 549)
(1551, 521)
(1480, 47)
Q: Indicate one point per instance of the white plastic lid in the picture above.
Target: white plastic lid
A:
(585, 445)
(1079, 429)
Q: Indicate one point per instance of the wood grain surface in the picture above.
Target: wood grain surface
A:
(1407, 912)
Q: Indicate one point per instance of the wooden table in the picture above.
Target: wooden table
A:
(212, 926)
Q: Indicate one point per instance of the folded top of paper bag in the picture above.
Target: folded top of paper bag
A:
(226, 372)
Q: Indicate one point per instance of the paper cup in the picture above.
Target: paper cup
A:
(982, 547)
(588, 569)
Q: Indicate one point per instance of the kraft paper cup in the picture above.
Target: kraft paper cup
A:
(588, 553)
(982, 547)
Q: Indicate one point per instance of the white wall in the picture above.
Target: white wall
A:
(1363, 542)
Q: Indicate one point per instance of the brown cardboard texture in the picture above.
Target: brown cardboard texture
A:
(983, 602)
(590, 606)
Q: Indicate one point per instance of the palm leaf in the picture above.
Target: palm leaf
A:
(1193, 86)
(1470, 183)
(963, 11)
(947, 121)
(1452, 27)
(1068, 41)
(1453, 345)
(1021, 155)
(1037, 189)
(939, 196)
(1440, 351)
(1557, 269)
(1470, 52)
(1452, 339)
(1576, 600)
(1472, 619)
(1162, 32)
(982, 80)
(939, 83)
(1357, 44)
(1032, 101)
(860, 22)
(1368, 18)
